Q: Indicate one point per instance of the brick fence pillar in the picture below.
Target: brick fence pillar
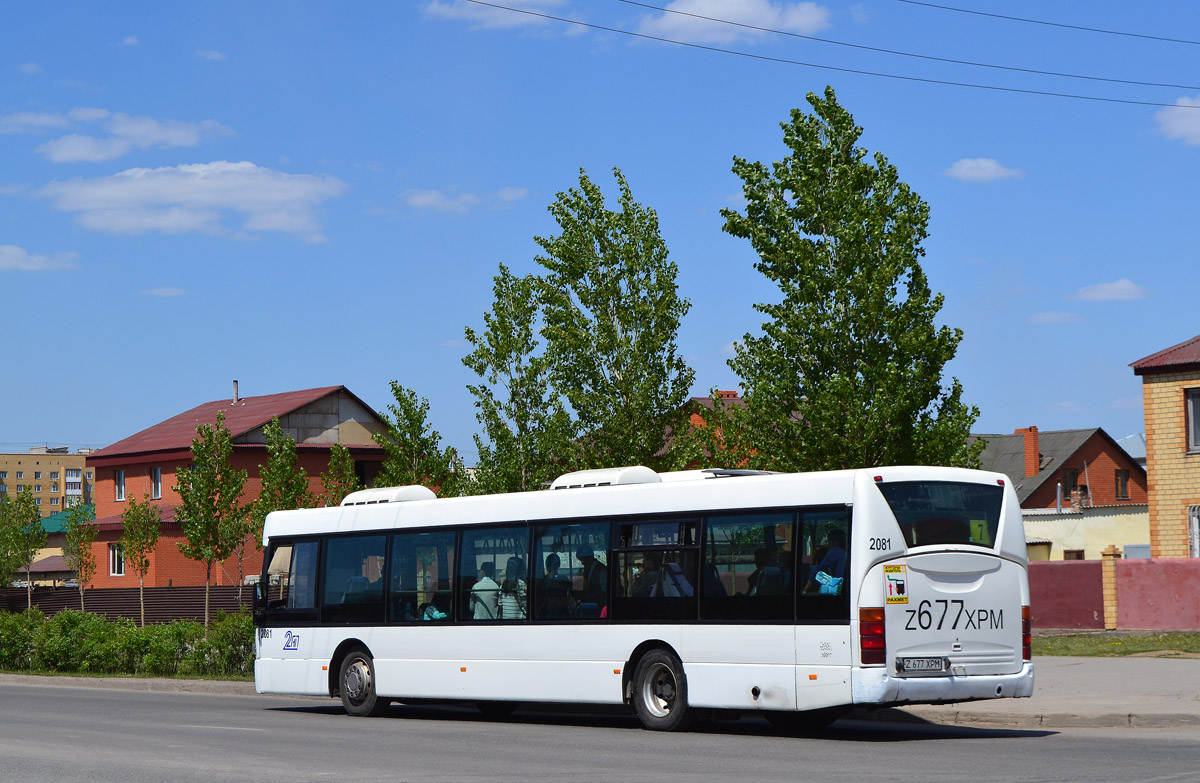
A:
(1108, 580)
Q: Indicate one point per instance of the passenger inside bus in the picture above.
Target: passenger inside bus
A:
(513, 591)
(593, 597)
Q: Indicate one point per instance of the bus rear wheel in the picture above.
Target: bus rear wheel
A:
(356, 683)
(660, 693)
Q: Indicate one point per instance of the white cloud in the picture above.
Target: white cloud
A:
(1181, 121)
(439, 201)
(163, 291)
(804, 18)
(483, 17)
(128, 132)
(31, 122)
(1122, 290)
(30, 69)
(194, 198)
(210, 54)
(1050, 319)
(861, 14)
(981, 170)
(509, 195)
(15, 259)
(129, 40)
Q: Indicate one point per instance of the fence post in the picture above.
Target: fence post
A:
(1109, 582)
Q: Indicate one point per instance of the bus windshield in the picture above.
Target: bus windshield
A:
(945, 512)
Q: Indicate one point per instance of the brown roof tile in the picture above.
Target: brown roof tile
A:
(1185, 355)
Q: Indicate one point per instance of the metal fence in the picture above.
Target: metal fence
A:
(163, 604)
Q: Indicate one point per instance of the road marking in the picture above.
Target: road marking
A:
(222, 728)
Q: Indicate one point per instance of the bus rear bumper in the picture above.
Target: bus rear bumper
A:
(876, 686)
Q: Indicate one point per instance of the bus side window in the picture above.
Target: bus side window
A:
(493, 575)
(824, 565)
(570, 579)
(421, 576)
(353, 579)
(748, 567)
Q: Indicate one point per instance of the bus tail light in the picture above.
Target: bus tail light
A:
(1026, 635)
(872, 645)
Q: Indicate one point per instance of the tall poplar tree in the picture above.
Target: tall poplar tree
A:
(339, 478)
(612, 311)
(79, 534)
(284, 481)
(21, 537)
(848, 369)
(413, 449)
(210, 496)
(142, 524)
(527, 431)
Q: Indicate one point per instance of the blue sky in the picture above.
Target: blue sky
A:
(305, 194)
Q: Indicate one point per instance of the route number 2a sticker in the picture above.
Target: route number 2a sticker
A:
(896, 578)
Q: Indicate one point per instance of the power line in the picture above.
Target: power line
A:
(911, 54)
(877, 74)
(1052, 24)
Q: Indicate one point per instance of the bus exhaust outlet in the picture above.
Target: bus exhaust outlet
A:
(755, 692)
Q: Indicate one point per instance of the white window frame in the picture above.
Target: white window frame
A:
(119, 484)
(155, 483)
(1191, 398)
(116, 560)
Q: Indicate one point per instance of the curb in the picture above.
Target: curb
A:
(1026, 720)
(151, 684)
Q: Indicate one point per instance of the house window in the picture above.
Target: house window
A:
(37, 487)
(73, 473)
(89, 475)
(37, 501)
(54, 501)
(1122, 482)
(37, 474)
(54, 475)
(1192, 396)
(119, 483)
(3, 474)
(156, 483)
(1072, 554)
(20, 474)
(1070, 481)
(116, 560)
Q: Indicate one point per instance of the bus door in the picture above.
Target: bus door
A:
(823, 644)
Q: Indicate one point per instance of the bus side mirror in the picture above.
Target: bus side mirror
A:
(260, 595)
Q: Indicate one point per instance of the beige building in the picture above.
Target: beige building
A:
(1171, 405)
(1083, 533)
(56, 477)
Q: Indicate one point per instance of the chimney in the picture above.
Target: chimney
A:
(1033, 457)
(235, 393)
(727, 395)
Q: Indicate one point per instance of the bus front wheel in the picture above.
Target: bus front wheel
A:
(660, 692)
(357, 686)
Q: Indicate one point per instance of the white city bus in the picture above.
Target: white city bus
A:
(697, 592)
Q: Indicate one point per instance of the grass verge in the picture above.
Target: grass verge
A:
(1163, 645)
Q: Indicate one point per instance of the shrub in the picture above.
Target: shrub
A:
(17, 632)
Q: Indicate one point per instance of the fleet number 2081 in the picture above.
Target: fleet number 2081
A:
(953, 615)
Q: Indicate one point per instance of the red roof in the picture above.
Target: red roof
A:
(1184, 356)
(248, 413)
(47, 565)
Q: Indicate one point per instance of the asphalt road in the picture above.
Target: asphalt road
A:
(54, 734)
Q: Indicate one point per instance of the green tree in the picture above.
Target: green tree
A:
(528, 431)
(284, 482)
(79, 534)
(848, 370)
(612, 311)
(339, 479)
(210, 495)
(413, 450)
(142, 522)
(21, 537)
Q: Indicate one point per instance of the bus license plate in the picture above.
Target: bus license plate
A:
(922, 664)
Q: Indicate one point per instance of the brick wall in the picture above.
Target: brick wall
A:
(168, 567)
(1174, 474)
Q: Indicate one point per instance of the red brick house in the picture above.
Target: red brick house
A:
(145, 464)
(1087, 460)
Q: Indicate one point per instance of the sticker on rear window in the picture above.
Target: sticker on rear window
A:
(897, 583)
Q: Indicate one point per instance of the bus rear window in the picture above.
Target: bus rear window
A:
(945, 512)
